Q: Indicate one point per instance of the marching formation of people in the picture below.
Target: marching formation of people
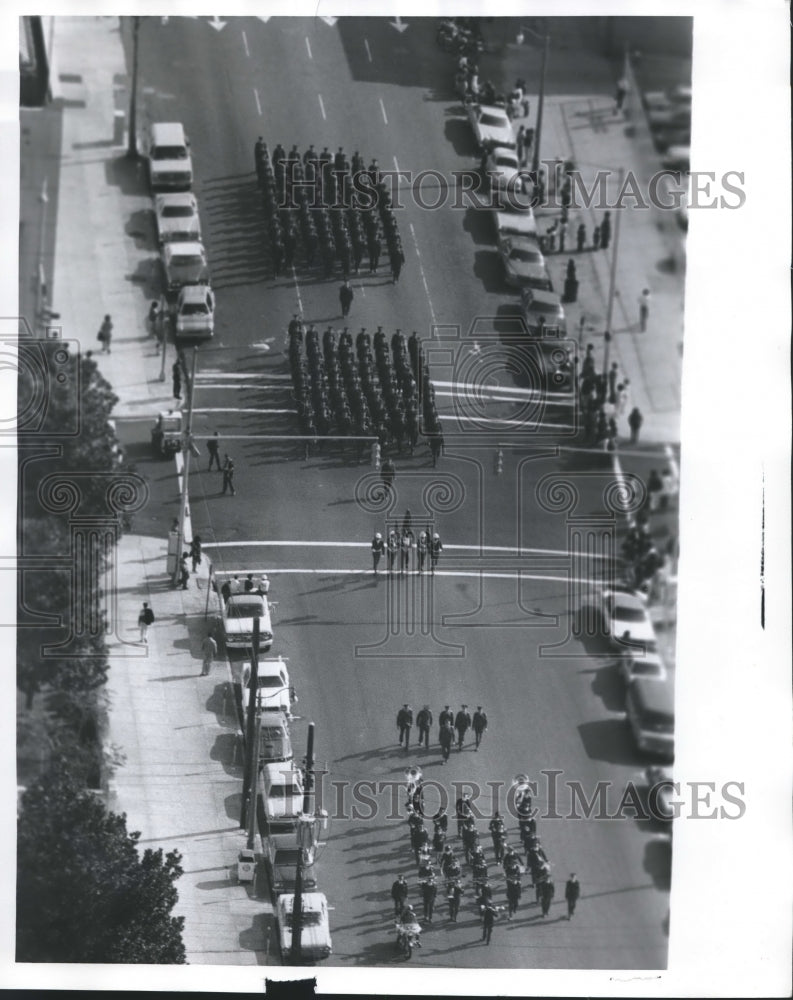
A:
(437, 861)
(368, 388)
(452, 727)
(407, 547)
(323, 210)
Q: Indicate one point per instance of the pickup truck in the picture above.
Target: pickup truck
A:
(237, 616)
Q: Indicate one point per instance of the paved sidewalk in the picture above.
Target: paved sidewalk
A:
(181, 777)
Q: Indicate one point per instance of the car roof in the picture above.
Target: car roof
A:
(503, 151)
(194, 293)
(521, 241)
(176, 198)
(542, 297)
(492, 109)
(168, 133)
(311, 901)
(184, 248)
(655, 696)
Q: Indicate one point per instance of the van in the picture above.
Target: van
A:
(170, 164)
(650, 709)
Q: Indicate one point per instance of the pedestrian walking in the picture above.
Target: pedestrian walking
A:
(195, 551)
(184, 570)
(619, 94)
(153, 317)
(406, 546)
(605, 231)
(644, 309)
(392, 548)
(580, 237)
(489, 913)
(479, 723)
(453, 898)
(447, 715)
(228, 476)
(572, 891)
(346, 295)
(445, 739)
(399, 894)
(105, 334)
(436, 547)
(635, 421)
(596, 238)
(145, 618)
(424, 721)
(404, 721)
(422, 544)
(213, 447)
(462, 723)
(429, 890)
(378, 547)
(176, 375)
(547, 892)
(209, 650)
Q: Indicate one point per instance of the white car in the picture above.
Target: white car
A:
(315, 941)
(238, 616)
(170, 163)
(524, 264)
(625, 620)
(515, 223)
(655, 782)
(650, 666)
(274, 691)
(677, 158)
(491, 126)
(194, 313)
(658, 100)
(504, 168)
(282, 791)
(184, 263)
(177, 217)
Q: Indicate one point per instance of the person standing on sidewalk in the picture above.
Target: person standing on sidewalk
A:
(572, 891)
(605, 231)
(145, 618)
(176, 373)
(105, 334)
(184, 570)
(195, 551)
(644, 309)
(635, 421)
(479, 724)
(404, 721)
(209, 650)
(228, 476)
(346, 295)
(213, 447)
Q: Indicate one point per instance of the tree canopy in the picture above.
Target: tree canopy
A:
(85, 893)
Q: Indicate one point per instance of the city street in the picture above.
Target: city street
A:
(492, 626)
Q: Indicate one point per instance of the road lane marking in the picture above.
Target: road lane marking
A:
(308, 48)
(382, 108)
(236, 409)
(258, 104)
(510, 549)
(475, 574)
(227, 385)
(396, 167)
(322, 107)
(368, 50)
(241, 375)
(515, 390)
(499, 420)
(294, 272)
(468, 392)
(245, 43)
(423, 276)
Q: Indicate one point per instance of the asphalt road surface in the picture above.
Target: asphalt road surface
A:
(492, 627)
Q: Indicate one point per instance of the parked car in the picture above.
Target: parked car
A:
(524, 264)
(238, 615)
(504, 168)
(655, 784)
(274, 741)
(678, 116)
(177, 217)
(650, 711)
(168, 156)
(315, 940)
(282, 855)
(282, 791)
(537, 303)
(194, 313)
(184, 263)
(514, 223)
(166, 435)
(491, 126)
(659, 100)
(649, 666)
(274, 690)
(668, 137)
(677, 158)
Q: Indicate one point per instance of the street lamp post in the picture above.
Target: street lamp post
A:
(535, 163)
(132, 138)
(187, 447)
(612, 281)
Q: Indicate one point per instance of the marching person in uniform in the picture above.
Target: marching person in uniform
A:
(462, 723)
(378, 547)
(424, 721)
(404, 721)
(479, 723)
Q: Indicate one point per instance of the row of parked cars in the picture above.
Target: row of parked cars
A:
(514, 223)
(280, 779)
(669, 117)
(185, 269)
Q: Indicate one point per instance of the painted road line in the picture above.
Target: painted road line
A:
(237, 409)
(382, 108)
(423, 275)
(467, 393)
(396, 167)
(245, 44)
(497, 388)
(510, 549)
(462, 418)
(308, 48)
(368, 50)
(475, 574)
(258, 102)
(228, 385)
(241, 375)
(322, 107)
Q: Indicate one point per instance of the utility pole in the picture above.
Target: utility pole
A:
(132, 138)
(612, 279)
(535, 163)
(186, 452)
(303, 841)
(252, 811)
(251, 747)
